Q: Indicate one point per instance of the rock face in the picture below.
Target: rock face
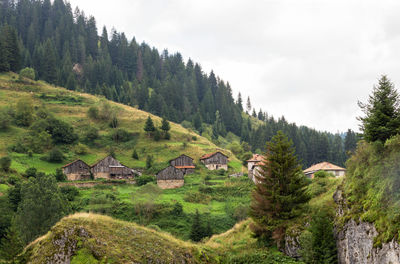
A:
(292, 247)
(355, 241)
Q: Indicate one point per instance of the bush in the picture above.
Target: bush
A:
(323, 174)
(30, 172)
(5, 163)
(197, 197)
(121, 135)
(28, 73)
(93, 112)
(149, 161)
(81, 149)
(144, 179)
(177, 210)
(114, 122)
(59, 175)
(157, 135)
(70, 192)
(61, 132)
(5, 120)
(91, 134)
(135, 155)
(55, 156)
(24, 112)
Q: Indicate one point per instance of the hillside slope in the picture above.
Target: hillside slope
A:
(72, 107)
(89, 238)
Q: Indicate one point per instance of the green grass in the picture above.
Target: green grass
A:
(3, 188)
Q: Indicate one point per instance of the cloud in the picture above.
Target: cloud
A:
(310, 61)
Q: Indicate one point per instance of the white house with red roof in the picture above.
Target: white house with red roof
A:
(325, 166)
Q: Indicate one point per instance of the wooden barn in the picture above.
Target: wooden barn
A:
(215, 161)
(184, 163)
(170, 178)
(110, 168)
(77, 170)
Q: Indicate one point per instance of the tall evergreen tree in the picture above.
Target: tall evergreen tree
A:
(350, 141)
(239, 102)
(197, 229)
(165, 127)
(11, 244)
(382, 118)
(248, 105)
(280, 193)
(149, 126)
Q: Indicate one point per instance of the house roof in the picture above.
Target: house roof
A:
(181, 156)
(185, 167)
(256, 157)
(327, 166)
(109, 165)
(66, 165)
(175, 175)
(209, 155)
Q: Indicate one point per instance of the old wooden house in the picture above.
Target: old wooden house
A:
(110, 168)
(215, 161)
(184, 163)
(77, 170)
(170, 178)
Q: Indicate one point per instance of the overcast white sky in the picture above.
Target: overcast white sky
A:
(307, 60)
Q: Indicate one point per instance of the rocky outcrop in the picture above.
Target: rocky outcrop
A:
(355, 241)
(292, 246)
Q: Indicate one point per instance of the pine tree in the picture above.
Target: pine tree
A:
(49, 63)
(11, 244)
(4, 65)
(248, 105)
(239, 102)
(11, 48)
(197, 230)
(149, 126)
(149, 161)
(280, 193)
(350, 141)
(382, 118)
(165, 127)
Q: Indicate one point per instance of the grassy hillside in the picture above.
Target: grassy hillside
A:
(72, 107)
(90, 238)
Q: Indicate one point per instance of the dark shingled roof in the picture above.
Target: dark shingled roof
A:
(170, 173)
(66, 165)
(209, 155)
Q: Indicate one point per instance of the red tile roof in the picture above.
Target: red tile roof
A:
(206, 156)
(185, 167)
(324, 166)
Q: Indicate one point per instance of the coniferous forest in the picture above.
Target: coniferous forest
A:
(65, 48)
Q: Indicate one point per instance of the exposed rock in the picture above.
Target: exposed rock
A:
(292, 246)
(355, 242)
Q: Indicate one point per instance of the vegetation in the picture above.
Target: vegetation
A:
(106, 63)
(280, 193)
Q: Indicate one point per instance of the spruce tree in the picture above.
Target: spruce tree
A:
(280, 193)
(382, 118)
(149, 126)
(197, 230)
(11, 244)
(4, 65)
(350, 141)
(165, 127)
(239, 102)
(135, 154)
(248, 105)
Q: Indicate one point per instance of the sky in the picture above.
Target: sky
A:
(310, 61)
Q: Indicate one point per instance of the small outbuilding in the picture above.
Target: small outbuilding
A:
(254, 166)
(77, 170)
(110, 168)
(325, 166)
(170, 178)
(215, 161)
(183, 163)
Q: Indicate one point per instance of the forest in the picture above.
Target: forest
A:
(64, 48)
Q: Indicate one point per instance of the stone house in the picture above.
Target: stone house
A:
(254, 166)
(215, 161)
(110, 168)
(77, 170)
(170, 178)
(184, 163)
(325, 166)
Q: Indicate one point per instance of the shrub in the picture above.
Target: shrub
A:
(70, 192)
(197, 197)
(28, 73)
(157, 135)
(135, 155)
(30, 172)
(114, 121)
(81, 149)
(59, 175)
(121, 135)
(149, 161)
(5, 163)
(61, 132)
(55, 156)
(91, 134)
(177, 210)
(5, 120)
(323, 174)
(144, 179)
(24, 112)
(167, 136)
(241, 212)
(194, 138)
(93, 112)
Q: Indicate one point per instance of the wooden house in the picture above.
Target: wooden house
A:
(325, 166)
(184, 163)
(77, 170)
(170, 178)
(215, 161)
(254, 166)
(110, 168)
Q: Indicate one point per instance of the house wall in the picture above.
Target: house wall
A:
(77, 176)
(78, 170)
(170, 184)
(103, 165)
(182, 161)
(216, 166)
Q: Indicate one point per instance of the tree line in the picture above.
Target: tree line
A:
(64, 48)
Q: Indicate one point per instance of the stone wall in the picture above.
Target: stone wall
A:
(217, 166)
(77, 177)
(170, 184)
